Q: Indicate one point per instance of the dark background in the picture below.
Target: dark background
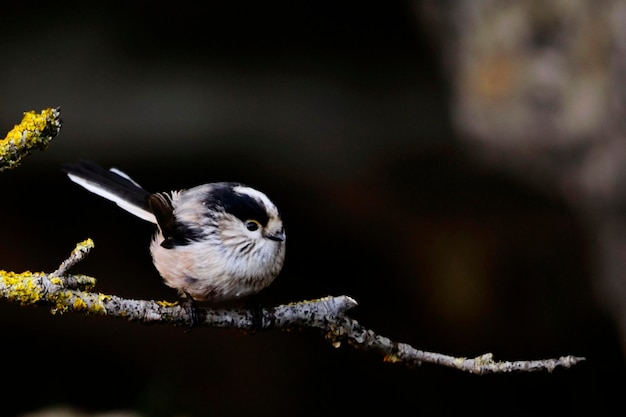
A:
(340, 112)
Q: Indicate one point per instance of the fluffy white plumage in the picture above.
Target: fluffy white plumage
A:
(216, 242)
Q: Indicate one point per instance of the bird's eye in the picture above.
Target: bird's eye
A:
(252, 225)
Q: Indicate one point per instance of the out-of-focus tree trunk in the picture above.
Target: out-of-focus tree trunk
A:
(539, 88)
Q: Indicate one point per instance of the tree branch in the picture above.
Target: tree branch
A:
(34, 131)
(71, 293)
(63, 292)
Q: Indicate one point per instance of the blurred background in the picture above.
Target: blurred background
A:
(456, 167)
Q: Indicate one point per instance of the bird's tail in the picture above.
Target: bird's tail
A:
(112, 184)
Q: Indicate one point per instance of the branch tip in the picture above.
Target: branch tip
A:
(78, 254)
(326, 314)
(35, 131)
(65, 292)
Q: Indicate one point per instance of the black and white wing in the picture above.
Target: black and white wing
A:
(112, 184)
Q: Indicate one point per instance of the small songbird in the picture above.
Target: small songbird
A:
(214, 242)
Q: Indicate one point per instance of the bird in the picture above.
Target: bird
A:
(215, 242)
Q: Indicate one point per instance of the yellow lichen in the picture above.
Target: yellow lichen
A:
(62, 301)
(22, 287)
(78, 301)
(79, 305)
(98, 307)
(28, 288)
(56, 281)
(167, 303)
(391, 358)
(84, 246)
(35, 131)
(85, 281)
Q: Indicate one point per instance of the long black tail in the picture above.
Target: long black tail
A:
(112, 184)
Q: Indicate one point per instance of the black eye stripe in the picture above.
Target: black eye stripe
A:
(242, 206)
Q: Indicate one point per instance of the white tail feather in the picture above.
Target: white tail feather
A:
(124, 175)
(97, 189)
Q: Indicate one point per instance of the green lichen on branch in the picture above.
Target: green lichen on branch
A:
(35, 131)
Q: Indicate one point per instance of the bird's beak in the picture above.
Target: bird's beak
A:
(277, 237)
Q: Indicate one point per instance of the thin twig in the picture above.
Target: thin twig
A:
(64, 293)
(78, 254)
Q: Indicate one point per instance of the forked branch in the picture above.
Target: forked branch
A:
(72, 293)
(63, 292)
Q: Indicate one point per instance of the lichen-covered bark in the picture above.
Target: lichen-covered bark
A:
(35, 131)
(325, 314)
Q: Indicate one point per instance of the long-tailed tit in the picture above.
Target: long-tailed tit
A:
(215, 242)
